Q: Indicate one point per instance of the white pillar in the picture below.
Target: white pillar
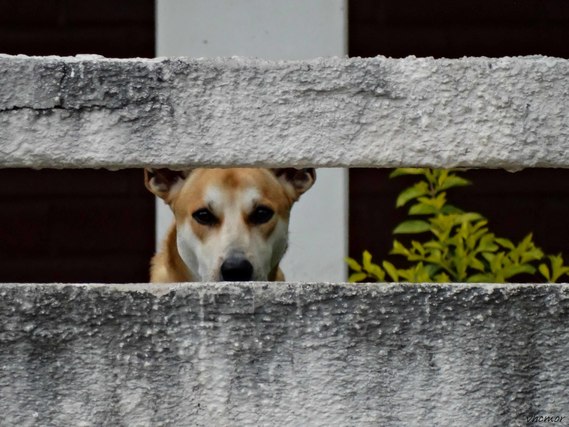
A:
(273, 29)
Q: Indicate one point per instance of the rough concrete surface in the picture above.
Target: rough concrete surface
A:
(283, 354)
(89, 111)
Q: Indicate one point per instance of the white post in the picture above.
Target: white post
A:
(273, 29)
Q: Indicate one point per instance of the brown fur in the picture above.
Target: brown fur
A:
(166, 265)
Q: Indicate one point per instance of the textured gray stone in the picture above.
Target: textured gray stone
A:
(283, 354)
(94, 112)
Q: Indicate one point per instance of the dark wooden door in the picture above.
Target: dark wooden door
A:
(76, 225)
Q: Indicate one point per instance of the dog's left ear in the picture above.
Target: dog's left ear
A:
(297, 180)
(164, 182)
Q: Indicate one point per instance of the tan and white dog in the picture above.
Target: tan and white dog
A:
(230, 224)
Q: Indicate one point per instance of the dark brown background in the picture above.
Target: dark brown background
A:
(76, 225)
(532, 200)
(98, 226)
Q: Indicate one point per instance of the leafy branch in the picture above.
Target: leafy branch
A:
(461, 247)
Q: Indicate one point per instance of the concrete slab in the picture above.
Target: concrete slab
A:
(335, 112)
(283, 354)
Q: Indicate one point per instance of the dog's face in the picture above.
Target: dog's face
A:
(231, 224)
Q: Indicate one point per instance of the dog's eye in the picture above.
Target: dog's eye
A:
(261, 215)
(205, 217)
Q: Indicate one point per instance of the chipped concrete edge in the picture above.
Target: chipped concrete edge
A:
(160, 289)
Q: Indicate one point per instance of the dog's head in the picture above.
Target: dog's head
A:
(231, 224)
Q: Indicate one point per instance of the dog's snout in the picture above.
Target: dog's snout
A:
(236, 269)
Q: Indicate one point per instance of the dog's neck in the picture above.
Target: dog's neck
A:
(167, 264)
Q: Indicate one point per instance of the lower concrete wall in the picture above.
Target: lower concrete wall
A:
(283, 354)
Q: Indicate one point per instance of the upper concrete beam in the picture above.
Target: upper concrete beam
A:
(473, 112)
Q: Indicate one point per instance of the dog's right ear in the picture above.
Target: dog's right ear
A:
(164, 182)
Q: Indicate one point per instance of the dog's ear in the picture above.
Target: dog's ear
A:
(164, 182)
(296, 180)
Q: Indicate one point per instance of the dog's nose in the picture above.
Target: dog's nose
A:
(236, 269)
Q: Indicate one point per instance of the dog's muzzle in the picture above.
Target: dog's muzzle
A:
(236, 269)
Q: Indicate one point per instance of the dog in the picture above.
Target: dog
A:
(229, 224)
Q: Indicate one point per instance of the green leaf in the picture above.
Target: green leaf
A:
(526, 243)
(412, 227)
(405, 275)
(432, 269)
(435, 257)
(461, 264)
(432, 244)
(450, 209)
(420, 274)
(415, 257)
(391, 270)
(468, 217)
(441, 175)
(482, 278)
(496, 263)
(544, 270)
(399, 249)
(476, 264)
(407, 171)
(477, 227)
(534, 254)
(440, 200)
(442, 278)
(366, 260)
(418, 247)
(376, 271)
(505, 243)
(431, 175)
(454, 181)
(556, 261)
(419, 189)
(557, 268)
(353, 264)
(357, 277)
(487, 244)
(422, 209)
(518, 269)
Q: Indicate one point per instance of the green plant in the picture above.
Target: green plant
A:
(457, 246)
